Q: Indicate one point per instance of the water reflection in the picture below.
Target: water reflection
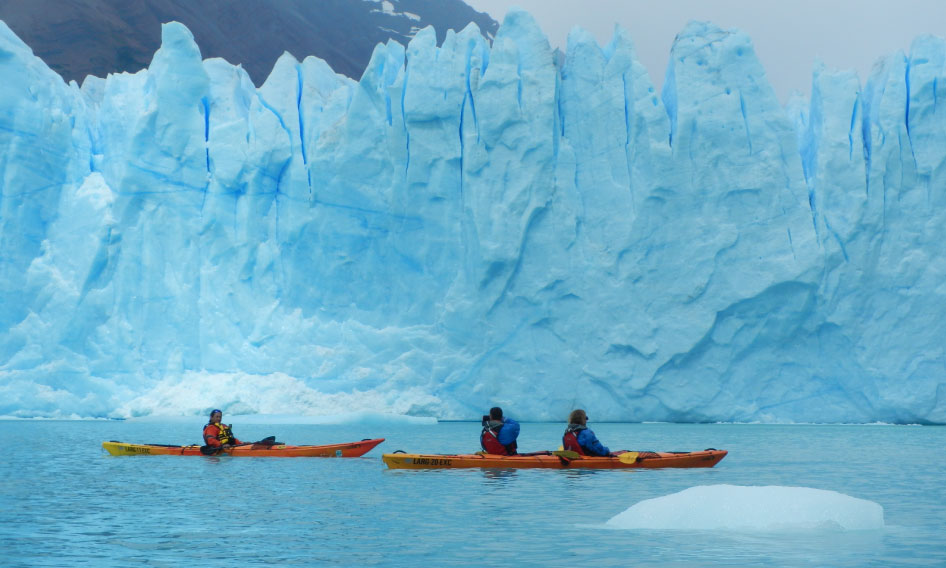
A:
(579, 474)
(499, 475)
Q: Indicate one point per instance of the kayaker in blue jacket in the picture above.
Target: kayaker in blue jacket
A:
(499, 433)
(578, 438)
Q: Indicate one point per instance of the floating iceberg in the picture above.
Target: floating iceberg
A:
(736, 508)
(474, 224)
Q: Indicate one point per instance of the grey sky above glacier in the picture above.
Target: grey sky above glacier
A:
(789, 36)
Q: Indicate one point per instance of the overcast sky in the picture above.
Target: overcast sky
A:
(788, 35)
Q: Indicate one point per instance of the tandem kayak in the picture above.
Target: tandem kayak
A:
(556, 460)
(349, 450)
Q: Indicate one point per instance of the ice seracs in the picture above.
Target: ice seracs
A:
(471, 225)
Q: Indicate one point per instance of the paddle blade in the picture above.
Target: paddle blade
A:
(628, 457)
(567, 454)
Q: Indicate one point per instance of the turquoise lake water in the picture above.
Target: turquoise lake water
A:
(65, 502)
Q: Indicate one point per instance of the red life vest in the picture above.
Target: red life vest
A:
(570, 442)
(491, 445)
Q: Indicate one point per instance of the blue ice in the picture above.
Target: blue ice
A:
(474, 225)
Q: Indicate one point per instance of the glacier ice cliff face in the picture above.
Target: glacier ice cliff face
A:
(474, 225)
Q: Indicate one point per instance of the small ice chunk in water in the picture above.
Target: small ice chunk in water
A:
(733, 507)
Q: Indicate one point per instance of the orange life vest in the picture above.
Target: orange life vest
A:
(221, 432)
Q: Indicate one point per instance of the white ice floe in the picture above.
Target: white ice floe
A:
(754, 508)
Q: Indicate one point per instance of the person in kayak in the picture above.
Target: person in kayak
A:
(217, 434)
(499, 433)
(578, 438)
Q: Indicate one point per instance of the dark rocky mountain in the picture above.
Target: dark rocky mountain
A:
(96, 37)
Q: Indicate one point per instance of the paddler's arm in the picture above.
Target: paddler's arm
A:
(588, 441)
(211, 439)
(509, 432)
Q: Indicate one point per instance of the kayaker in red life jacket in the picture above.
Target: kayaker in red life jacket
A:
(217, 434)
(499, 434)
(578, 438)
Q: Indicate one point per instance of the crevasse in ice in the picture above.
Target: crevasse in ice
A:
(473, 225)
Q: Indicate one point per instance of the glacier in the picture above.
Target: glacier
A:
(473, 225)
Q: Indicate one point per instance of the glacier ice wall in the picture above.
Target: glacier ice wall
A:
(474, 225)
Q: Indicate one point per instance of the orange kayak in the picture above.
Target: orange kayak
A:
(349, 450)
(556, 460)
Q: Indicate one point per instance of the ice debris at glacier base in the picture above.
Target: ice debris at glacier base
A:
(754, 508)
(474, 225)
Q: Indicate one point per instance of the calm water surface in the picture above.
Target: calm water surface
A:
(65, 502)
